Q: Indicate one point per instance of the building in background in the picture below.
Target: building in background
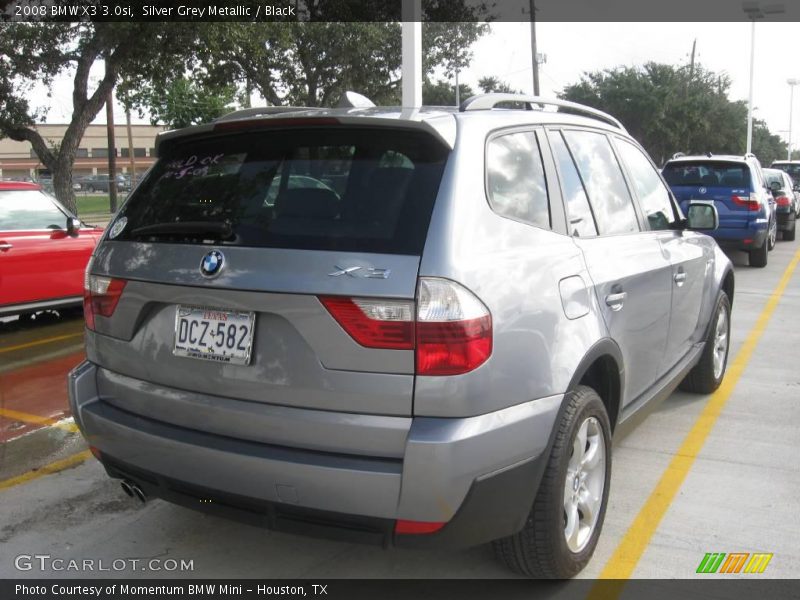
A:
(19, 161)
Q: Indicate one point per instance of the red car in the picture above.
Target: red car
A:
(43, 250)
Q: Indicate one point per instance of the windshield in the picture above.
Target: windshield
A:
(708, 174)
(333, 188)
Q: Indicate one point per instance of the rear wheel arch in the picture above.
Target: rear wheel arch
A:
(728, 285)
(600, 369)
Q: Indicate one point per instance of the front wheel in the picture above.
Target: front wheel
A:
(567, 516)
(706, 376)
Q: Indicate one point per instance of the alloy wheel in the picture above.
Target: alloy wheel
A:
(720, 343)
(584, 484)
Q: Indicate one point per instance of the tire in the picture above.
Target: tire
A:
(772, 236)
(788, 234)
(90, 189)
(704, 378)
(541, 549)
(759, 256)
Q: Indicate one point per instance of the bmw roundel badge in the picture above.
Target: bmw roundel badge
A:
(212, 263)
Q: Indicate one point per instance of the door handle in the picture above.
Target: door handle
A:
(615, 301)
(5, 246)
(680, 278)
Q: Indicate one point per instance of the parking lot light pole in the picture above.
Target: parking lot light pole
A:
(412, 54)
(792, 83)
(754, 11)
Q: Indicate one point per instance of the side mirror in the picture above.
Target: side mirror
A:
(73, 225)
(796, 187)
(701, 216)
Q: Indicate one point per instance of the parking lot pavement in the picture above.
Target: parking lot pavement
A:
(732, 487)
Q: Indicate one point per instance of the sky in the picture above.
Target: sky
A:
(575, 48)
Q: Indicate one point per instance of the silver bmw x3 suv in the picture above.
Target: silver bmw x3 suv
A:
(407, 327)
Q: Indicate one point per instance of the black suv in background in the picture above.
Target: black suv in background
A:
(100, 183)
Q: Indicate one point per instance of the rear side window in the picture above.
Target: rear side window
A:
(611, 202)
(653, 195)
(708, 174)
(29, 210)
(515, 179)
(581, 221)
(349, 189)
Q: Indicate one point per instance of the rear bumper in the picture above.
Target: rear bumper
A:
(741, 239)
(477, 474)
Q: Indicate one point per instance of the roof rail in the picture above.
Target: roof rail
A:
(262, 110)
(489, 101)
(750, 155)
(679, 155)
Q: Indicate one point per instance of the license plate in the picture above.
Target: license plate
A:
(220, 335)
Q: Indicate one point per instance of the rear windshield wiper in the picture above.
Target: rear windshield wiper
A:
(219, 229)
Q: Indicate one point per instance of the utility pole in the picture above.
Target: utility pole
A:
(112, 152)
(534, 57)
(792, 83)
(131, 162)
(691, 64)
(458, 91)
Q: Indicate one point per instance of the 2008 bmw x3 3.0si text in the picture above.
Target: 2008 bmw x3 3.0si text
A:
(406, 327)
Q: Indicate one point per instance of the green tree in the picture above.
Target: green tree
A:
(314, 63)
(36, 53)
(442, 93)
(491, 84)
(671, 108)
(767, 146)
(180, 102)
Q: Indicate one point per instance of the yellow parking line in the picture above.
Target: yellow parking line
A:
(53, 467)
(57, 338)
(36, 419)
(637, 538)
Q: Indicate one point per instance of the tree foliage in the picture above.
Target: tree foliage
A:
(180, 102)
(675, 109)
(313, 63)
(491, 84)
(34, 54)
(442, 93)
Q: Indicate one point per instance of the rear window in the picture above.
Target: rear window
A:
(708, 174)
(774, 177)
(360, 190)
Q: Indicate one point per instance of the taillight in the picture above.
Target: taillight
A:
(454, 329)
(374, 323)
(750, 202)
(451, 331)
(100, 297)
(783, 201)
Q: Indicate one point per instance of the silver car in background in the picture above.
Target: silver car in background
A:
(405, 327)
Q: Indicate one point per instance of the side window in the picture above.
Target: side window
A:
(515, 179)
(28, 210)
(601, 174)
(653, 196)
(581, 221)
